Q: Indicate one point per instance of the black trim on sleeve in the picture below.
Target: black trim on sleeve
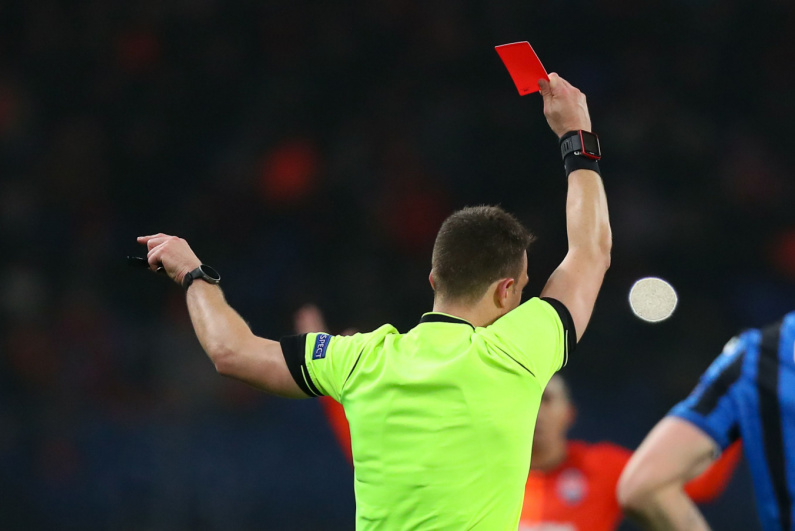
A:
(294, 351)
(709, 398)
(568, 326)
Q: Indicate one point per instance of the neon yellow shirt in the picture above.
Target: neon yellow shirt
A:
(441, 417)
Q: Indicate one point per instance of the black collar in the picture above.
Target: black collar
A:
(443, 318)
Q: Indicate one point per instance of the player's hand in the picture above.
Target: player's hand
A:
(564, 105)
(172, 253)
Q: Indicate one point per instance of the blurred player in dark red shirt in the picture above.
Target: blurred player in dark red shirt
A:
(572, 484)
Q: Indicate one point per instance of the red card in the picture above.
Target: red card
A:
(523, 65)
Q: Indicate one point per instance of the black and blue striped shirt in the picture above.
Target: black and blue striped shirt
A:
(749, 392)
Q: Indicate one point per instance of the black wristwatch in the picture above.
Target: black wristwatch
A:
(580, 150)
(580, 143)
(203, 272)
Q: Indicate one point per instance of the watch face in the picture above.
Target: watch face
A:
(210, 273)
(590, 144)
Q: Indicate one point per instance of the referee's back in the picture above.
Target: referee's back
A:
(441, 417)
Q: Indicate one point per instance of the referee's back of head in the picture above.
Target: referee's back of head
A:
(474, 247)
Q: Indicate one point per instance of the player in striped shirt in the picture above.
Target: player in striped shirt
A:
(747, 393)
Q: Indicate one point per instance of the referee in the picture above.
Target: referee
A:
(441, 417)
(747, 393)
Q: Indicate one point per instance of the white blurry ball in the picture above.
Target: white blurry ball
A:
(652, 299)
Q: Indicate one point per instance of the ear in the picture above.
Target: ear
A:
(430, 279)
(502, 292)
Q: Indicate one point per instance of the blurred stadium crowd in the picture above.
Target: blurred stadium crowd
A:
(309, 151)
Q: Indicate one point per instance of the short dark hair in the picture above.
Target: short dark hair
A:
(474, 247)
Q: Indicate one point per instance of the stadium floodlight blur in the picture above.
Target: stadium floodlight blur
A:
(441, 417)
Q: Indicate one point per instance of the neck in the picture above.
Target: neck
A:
(480, 313)
(549, 457)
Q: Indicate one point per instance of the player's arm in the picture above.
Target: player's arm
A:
(711, 484)
(651, 489)
(226, 338)
(577, 280)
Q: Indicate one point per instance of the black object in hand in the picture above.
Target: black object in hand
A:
(141, 263)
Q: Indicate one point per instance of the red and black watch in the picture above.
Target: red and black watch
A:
(581, 144)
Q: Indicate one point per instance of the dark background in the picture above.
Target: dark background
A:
(309, 151)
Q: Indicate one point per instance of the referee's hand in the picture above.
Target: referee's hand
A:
(172, 253)
(564, 105)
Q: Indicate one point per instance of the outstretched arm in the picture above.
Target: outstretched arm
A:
(651, 488)
(226, 338)
(577, 280)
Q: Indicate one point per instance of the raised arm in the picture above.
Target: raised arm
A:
(577, 280)
(226, 338)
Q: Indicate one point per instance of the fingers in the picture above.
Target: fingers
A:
(557, 84)
(153, 257)
(145, 239)
(565, 106)
(556, 87)
(544, 88)
(565, 83)
(169, 254)
(154, 240)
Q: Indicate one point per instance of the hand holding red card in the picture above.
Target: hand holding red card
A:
(523, 65)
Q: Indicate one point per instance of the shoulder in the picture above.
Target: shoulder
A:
(730, 363)
(533, 319)
(534, 308)
(365, 339)
(380, 333)
(363, 343)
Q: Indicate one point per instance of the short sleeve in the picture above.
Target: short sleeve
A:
(711, 406)
(538, 335)
(321, 363)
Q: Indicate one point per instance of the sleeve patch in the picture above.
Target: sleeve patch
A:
(321, 345)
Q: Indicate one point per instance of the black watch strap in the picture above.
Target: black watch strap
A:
(573, 153)
(574, 162)
(581, 143)
(203, 272)
(570, 143)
